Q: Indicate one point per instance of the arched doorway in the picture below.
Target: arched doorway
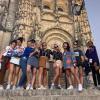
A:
(56, 35)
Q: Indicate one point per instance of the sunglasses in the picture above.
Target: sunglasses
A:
(55, 46)
(64, 46)
(44, 45)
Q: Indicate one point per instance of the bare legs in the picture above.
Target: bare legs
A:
(45, 82)
(16, 75)
(57, 74)
(70, 72)
(31, 82)
(13, 76)
(42, 78)
(34, 77)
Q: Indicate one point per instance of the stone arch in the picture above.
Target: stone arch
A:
(56, 35)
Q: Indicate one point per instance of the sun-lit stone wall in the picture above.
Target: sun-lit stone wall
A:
(82, 26)
(24, 21)
(48, 20)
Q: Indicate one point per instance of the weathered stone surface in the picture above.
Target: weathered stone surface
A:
(53, 98)
(30, 18)
(90, 94)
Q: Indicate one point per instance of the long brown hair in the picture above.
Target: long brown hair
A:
(68, 46)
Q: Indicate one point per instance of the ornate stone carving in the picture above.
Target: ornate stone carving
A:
(46, 20)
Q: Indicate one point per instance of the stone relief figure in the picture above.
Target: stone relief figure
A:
(3, 14)
(36, 23)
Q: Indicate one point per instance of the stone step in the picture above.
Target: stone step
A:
(49, 93)
(87, 94)
(52, 98)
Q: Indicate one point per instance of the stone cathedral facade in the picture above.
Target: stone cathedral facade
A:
(51, 21)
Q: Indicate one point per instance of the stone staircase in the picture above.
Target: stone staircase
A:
(89, 94)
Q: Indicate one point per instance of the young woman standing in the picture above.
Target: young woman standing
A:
(44, 57)
(69, 62)
(79, 61)
(57, 56)
(15, 64)
(23, 64)
(32, 65)
(5, 57)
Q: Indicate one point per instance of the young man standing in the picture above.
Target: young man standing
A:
(93, 59)
(79, 61)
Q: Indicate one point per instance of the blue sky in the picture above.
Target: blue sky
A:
(93, 9)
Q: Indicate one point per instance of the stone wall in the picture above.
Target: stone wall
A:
(4, 39)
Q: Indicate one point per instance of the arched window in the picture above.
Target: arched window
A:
(60, 9)
(46, 7)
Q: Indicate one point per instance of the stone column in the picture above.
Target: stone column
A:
(24, 21)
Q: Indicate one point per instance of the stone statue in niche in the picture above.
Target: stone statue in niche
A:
(3, 14)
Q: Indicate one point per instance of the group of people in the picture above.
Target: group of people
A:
(31, 63)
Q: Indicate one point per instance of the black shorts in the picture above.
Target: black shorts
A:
(79, 65)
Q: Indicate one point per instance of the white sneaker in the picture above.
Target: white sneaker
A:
(41, 87)
(31, 88)
(19, 88)
(1, 87)
(8, 87)
(80, 88)
(59, 87)
(28, 86)
(52, 87)
(70, 87)
(46, 87)
(14, 87)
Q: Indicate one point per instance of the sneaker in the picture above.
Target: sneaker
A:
(14, 87)
(59, 87)
(70, 87)
(80, 88)
(19, 88)
(41, 88)
(8, 87)
(1, 87)
(46, 87)
(52, 87)
(31, 88)
(28, 86)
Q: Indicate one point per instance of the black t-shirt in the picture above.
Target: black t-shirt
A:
(57, 55)
(46, 52)
(78, 53)
(36, 54)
